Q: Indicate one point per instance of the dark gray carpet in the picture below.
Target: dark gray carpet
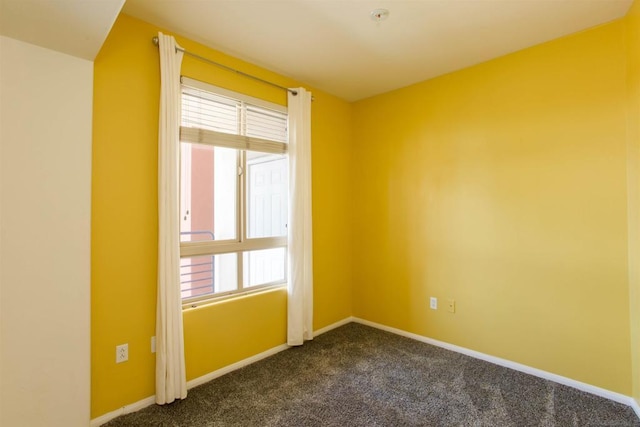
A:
(359, 376)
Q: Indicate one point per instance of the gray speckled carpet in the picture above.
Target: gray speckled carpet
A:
(360, 376)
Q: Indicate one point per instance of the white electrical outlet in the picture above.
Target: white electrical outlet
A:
(433, 303)
(451, 306)
(153, 344)
(122, 353)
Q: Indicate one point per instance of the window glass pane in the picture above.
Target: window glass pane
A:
(209, 274)
(264, 266)
(267, 195)
(208, 192)
(226, 274)
(266, 124)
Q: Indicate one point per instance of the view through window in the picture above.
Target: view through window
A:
(233, 192)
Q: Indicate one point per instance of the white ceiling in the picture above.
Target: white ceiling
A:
(335, 46)
(332, 45)
(74, 27)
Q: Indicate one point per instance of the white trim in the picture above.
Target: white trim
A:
(234, 366)
(126, 409)
(248, 361)
(635, 406)
(213, 299)
(588, 388)
(333, 326)
(217, 247)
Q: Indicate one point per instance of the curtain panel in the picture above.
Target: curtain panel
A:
(171, 380)
(300, 244)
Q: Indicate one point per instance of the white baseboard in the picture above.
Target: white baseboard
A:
(248, 361)
(607, 394)
(127, 409)
(333, 326)
(634, 405)
(235, 366)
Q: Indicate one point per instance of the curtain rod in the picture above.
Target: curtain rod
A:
(155, 41)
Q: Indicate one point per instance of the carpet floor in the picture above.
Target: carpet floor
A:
(360, 376)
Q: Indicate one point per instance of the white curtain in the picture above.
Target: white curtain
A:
(300, 301)
(171, 382)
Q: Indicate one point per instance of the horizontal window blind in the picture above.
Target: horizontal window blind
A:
(216, 120)
(206, 110)
(266, 124)
(239, 142)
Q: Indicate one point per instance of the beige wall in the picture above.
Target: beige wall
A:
(45, 166)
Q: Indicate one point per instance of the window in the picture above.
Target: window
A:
(233, 192)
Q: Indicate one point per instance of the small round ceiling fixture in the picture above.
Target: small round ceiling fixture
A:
(379, 15)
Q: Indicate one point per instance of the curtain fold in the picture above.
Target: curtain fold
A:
(300, 288)
(171, 380)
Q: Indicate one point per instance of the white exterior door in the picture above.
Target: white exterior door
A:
(267, 217)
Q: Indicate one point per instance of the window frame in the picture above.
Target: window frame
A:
(242, 243)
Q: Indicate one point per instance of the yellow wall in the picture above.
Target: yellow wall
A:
(124, 222)
(632, 22)
(503, 186)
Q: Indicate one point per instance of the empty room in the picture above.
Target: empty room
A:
(320, 213)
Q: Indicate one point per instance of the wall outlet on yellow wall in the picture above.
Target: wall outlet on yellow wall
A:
(451, 305)
(122, 353)
(433, 303)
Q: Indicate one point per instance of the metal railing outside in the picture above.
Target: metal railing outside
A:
(197, 274)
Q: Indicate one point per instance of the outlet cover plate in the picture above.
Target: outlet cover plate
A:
(122, 353)
(451, 304)
(433, 303)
